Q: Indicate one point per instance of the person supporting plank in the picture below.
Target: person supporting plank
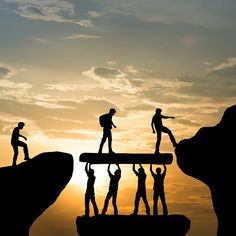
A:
(158, 188)
(141, 191)
(90, 195)
(113, 189)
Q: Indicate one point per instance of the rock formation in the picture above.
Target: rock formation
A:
(209, 157)
(125, 225)
(28, 189)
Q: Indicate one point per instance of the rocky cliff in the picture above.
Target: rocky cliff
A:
(28, 189)
(209, 157)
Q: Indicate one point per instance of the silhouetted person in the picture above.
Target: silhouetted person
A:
(107, 124)
(157, 123)
(141, 190)
(158, 188)
(15, 142)
(113, 189)
(90, 195)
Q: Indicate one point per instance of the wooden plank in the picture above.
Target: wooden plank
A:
(127, 158)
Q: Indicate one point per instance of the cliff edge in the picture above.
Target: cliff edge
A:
(29, 188)
(209, 157)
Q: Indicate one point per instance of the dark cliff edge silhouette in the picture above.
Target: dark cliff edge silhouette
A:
(28, 189)
(209, 157)
(125, 225)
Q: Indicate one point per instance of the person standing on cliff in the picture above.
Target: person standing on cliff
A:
(90, 195)
(15, 142)
(141, 190)
(113, 189)
(107, 124)
(158, 128)
(158, 188)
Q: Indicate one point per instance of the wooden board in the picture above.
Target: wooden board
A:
(127, 158)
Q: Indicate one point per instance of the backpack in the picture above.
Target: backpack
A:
(102, 120)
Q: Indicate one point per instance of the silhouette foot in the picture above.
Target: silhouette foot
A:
(111, 152)
(26, 158)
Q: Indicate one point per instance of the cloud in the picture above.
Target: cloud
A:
(227, 68)
(6, 72)
(48, 10)
(95, 14)
(82, 36)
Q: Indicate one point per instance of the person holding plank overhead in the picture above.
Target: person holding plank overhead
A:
(113, 189)
(90, 195)
(158, 188)
(141, 191)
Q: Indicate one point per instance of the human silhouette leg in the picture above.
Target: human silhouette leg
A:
(95, 208)
(106, 202)
(25, 149)
(171, 136)
(155, 203)
(164, 206)
(158, 142)
(146, 204)
(114, 204)
(16, 152)
(87, 199)
(109, 136)
(104, 138)
(136, 203)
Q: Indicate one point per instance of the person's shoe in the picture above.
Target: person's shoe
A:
(111, 152)
(26, 158)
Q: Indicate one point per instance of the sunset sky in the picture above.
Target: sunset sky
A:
(65, 62)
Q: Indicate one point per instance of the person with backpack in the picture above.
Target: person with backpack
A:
(106, 122)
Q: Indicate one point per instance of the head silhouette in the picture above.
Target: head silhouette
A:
(158, 170)
(112, 111)
(21, 125)
(117, 172)
(158, 110)
(141, 170)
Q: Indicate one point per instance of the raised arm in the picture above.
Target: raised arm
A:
(134, 170)
(152, 172)
(118, 167)
(109, 170)
(86, 168)
(164, 172)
